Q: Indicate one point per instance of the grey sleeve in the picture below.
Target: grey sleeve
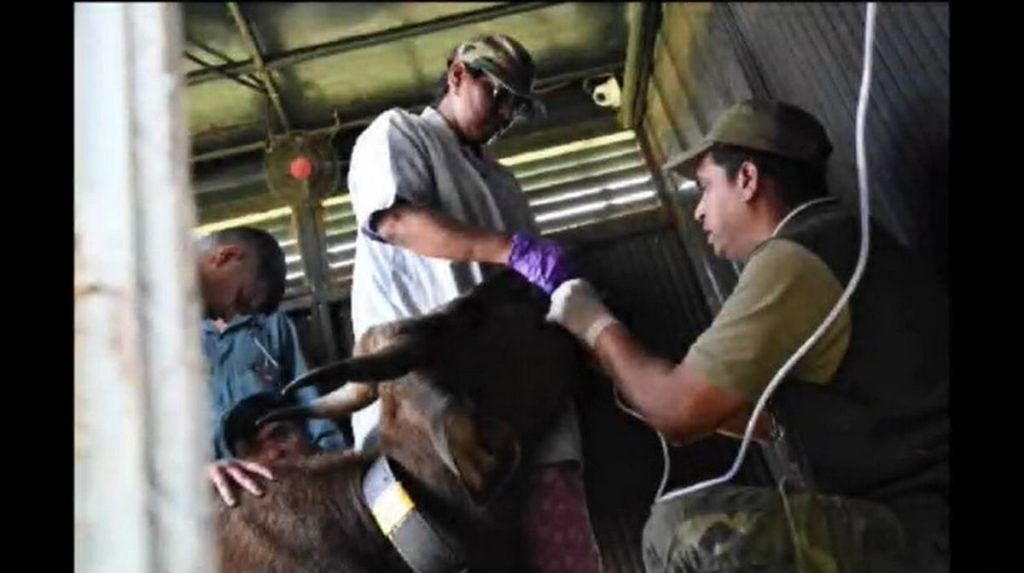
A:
(390, 165)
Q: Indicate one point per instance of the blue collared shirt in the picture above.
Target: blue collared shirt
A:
(257, 353)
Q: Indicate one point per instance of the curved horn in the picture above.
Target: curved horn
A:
(389, 363)
(342, 402)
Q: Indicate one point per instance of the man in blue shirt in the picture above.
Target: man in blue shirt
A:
(249, 347)
(257, 353)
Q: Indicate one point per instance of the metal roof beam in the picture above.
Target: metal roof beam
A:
(541, 85)
(237, 79)
(261, 68)
(292, 57)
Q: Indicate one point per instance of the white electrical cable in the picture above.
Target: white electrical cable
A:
(862, 259)
(661, 440)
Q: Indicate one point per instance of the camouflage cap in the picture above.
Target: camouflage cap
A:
(503, 58)
(764, 125)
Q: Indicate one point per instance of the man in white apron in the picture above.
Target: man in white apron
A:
(436, 217)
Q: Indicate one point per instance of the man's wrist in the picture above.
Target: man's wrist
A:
(596, 328)
(489, 247)
(503, 250)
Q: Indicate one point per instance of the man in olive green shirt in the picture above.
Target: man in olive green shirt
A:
(781, 297)
(867, 404)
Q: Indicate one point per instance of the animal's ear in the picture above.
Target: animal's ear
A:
(484, 453)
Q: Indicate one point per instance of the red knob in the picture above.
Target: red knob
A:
(301, 168)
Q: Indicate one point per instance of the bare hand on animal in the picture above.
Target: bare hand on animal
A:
(240, 472)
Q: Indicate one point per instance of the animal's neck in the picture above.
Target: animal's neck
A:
(375, 549)
(487, 534)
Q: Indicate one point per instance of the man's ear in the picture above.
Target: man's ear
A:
(227, 253)
(748, 178)
(456, 73)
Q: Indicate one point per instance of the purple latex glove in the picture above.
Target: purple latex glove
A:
(543, 262)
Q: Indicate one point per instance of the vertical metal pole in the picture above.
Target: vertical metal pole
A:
(140, 398)
(309, 219)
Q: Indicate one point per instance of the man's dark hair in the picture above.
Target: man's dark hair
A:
(239, 425)
(796, 181)
(270, 265)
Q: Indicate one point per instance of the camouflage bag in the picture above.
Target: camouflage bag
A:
(760, 529)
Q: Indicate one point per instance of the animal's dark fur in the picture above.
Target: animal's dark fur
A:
(490, 377)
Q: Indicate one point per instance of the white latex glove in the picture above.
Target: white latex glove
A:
(576, 306)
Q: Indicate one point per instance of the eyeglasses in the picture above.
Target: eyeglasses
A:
(501, 96)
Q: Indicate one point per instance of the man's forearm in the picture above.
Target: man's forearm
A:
(673, 398)
(431, 233)
(678, 400)
(643, 379)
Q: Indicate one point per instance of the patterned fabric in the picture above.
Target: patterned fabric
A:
(556, 523)
(755, 529)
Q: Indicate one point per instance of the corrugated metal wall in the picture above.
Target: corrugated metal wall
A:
(695, 76)
(812, 55)
(708, 56)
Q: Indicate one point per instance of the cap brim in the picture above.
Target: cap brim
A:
(686, 162)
